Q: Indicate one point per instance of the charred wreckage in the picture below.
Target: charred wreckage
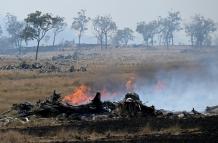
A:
(54, 106)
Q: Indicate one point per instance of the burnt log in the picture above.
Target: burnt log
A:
(133, 96)
(149, 111)
(132, 106)
(195, 112)
(54, 106)
(97, 101)
(23, 109)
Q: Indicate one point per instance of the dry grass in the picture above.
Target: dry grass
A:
(31, 89)
(13, 137)
(177, 129)
(109, 66)
(19, 89)
(83, 134)
(64, 135)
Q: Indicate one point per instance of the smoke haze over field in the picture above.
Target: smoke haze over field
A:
(176, 89)
(182, 89)
(125, 12)
(179, 88)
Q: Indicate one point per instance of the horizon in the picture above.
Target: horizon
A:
(142, 10)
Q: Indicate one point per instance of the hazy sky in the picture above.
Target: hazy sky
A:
(124, 12)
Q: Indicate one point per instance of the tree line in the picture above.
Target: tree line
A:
(162, 30)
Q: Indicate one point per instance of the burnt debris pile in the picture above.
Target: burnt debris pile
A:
(54, 106)
(130, 107)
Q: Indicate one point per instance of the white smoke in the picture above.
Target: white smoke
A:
(180, 89)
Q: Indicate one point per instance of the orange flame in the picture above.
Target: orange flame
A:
(79, 96)
(130, 84)
(82, 94)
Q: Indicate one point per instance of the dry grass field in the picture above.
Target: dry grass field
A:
(64, 135)
(110, 68)
(113, 66)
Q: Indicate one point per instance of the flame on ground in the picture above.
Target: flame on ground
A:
(79, 96)
(130, 84)
(82, 94)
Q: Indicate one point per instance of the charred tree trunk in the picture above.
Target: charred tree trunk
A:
(97, 101)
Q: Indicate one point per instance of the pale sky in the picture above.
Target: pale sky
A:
(126, 13)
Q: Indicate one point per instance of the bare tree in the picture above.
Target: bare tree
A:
(199, 30)
(104, 26)
(80, 23)
(58, 26)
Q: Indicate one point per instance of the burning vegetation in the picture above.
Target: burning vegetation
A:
(79, 96)
(97, 116)
(85, 112)
(147, 84)
(83, 93)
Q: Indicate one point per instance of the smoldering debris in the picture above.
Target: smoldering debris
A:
(55, 107)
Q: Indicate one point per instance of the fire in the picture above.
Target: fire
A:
(83, 94)
(79, 96)
(130, 84)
